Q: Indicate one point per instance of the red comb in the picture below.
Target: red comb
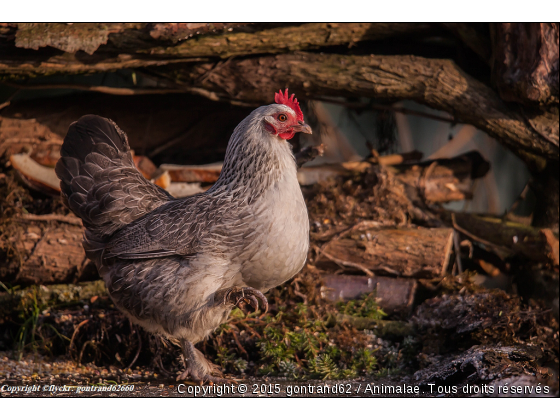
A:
(292, 102)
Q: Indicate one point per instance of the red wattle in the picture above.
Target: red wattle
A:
(286, 135)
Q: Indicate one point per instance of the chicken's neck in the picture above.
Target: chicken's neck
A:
(255, 161)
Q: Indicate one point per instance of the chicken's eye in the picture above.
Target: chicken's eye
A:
(282, 117)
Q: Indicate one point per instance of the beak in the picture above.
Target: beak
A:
(302, 128)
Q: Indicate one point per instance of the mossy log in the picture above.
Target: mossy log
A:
(53, 294)
(508, 238)
(113, 46)
(408, 252)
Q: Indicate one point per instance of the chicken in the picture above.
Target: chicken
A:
(177, 267)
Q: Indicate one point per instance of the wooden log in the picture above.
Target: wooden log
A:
(36, 176)
(408, 252)
(507, 238)
(145, 166)
(193, 173)
(394, 295)
(140, 44)
(17, 300)
(290, 38)
(440, 84)
(45, 255)
(525, 62)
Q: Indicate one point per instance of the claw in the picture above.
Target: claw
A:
(244, 296)
(263, 299)
(253, 302)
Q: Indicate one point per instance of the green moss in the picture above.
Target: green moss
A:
(365, 307)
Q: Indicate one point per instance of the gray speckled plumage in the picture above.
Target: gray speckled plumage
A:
(167, 263)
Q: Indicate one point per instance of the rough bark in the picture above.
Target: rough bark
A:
(407, 252)
(473, 38)
(526, 62)
(109, 47)
(45, 254)
(440, 84)
(546, 185)
(287, 39)
(507, 238)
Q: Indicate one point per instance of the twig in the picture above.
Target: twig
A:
(520, 198)
(83, 348)
(72, 220)
(84, 322)
(241, 348)
(457, 252)
(250, 329)
(138, 351)
(476, 238)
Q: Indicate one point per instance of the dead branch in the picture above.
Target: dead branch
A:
(440, 84)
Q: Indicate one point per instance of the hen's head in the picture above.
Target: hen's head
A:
(284, 119)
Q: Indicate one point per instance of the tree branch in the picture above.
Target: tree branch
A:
(438, 83)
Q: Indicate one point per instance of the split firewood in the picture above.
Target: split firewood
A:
(409, 252)
(394, 295)
(47, 155)
(36, 176)
(162, 180)
(145, 166)
(193, 173)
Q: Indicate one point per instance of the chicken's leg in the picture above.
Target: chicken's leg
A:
(241, 296)
(197, 367)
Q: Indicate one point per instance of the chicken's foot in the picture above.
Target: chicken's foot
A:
(243, 296)
(197, 368)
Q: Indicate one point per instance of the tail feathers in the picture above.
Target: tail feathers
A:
(98, 179)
